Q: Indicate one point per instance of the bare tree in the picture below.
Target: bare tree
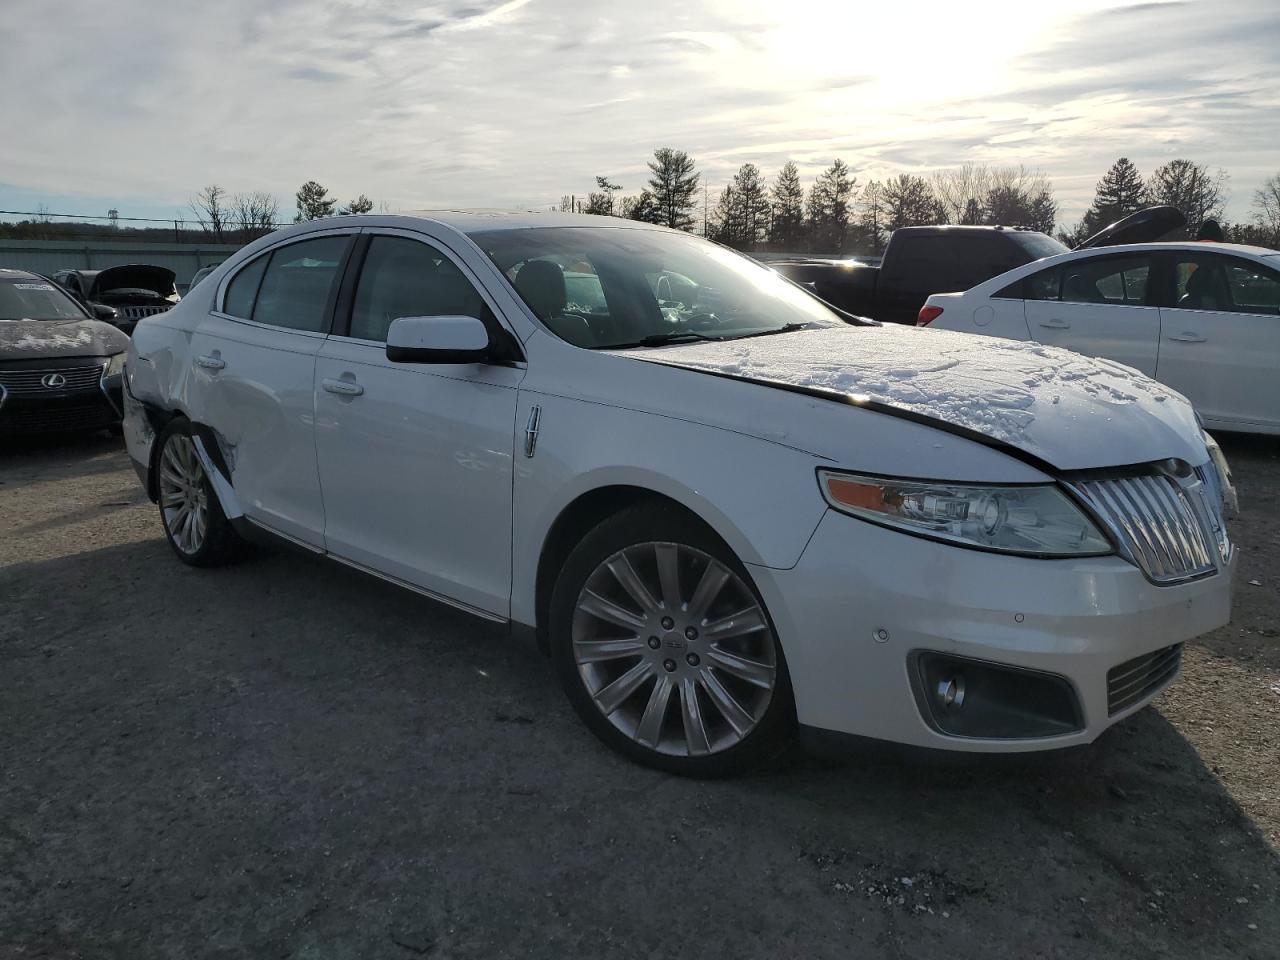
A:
(254, 214)
(209, 206)
(1266, 205)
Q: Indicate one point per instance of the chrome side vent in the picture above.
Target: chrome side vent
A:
(1135, 680)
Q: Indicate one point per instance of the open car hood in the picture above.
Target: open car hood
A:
(144, 276)
(1144, 226)
(1046, 404)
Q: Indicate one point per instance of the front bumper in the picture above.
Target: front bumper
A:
(863, 601)
(85, 404)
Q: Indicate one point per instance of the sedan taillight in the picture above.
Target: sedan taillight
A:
(927, 315)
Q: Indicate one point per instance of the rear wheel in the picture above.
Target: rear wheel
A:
(665, 649)
(194, 523)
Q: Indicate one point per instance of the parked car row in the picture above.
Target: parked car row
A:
(723, 508)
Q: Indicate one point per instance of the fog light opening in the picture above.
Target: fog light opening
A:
(951, 692)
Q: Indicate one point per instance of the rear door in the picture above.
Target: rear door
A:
(1221, 342)
(253, 361)
(1099, 306)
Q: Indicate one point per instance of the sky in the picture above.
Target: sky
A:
(136, 105)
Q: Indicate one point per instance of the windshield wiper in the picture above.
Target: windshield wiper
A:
(663, 339)
(785, 328)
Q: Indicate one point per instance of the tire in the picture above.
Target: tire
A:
(681, 672)
(194, 524)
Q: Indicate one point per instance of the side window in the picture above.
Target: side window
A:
(243, 289)
(409, 278)
(298, 282)
(1112, 280)
(1254, 289)
(1045, 285)
(1224, 284)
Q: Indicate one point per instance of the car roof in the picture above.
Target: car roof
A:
(1190, 246)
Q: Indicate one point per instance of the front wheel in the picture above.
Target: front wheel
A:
(665, 649)
(194, 524)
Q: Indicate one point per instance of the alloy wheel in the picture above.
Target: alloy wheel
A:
(183, 501)
(674, 649)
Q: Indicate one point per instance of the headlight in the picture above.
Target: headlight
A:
(1014, 519)
(115, 365)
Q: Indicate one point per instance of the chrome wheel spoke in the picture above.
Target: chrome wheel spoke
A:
(738, 718)
(598, 651)
(626, 575)
(668, 557)
(616, 694)
(748, 620)
(713, 580)
(172, 498)
(695, 731)
(606, 609)
(751, 671)
(649, 730)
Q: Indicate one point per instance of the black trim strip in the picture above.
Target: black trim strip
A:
(876, 406)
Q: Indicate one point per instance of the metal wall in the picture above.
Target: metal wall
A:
(48, 256)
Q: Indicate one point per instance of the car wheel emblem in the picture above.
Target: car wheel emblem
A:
(53, 380)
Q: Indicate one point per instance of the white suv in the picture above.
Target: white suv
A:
(724, 510)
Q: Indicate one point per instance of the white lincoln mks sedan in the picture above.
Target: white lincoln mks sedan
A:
(726, 511)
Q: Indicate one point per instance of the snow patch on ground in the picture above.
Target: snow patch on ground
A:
(995, 387)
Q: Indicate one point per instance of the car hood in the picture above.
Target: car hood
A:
(1060, 408)
(1144, 226)
(141, 275)
(37, 339)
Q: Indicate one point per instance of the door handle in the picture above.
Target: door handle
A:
(211, 363)
(1055, 324)
(343, 388)
(1187, 337)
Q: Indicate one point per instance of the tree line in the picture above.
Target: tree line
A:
(837, 214)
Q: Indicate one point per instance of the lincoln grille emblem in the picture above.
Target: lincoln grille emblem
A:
(53, 380)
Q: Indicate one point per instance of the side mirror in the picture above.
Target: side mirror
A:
(438, 340)
(103, 312)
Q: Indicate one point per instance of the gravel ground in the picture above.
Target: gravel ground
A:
(288, 759)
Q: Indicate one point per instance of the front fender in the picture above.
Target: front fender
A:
(760, 497)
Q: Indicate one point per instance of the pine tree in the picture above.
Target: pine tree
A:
(786, 228)
(909, 202)
(1119, 193)
(1192, 189)
(673, 185)
(830, 199)
(314, 202)
(360, 204)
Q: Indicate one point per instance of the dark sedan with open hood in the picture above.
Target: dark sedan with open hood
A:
(122, 295)
(60, 369)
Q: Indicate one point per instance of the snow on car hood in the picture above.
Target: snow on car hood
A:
(1071, 411)
(35, 339)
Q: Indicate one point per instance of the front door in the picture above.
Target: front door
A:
(253, 364)
(416, 459)
(1097, 306)
(1221, 339)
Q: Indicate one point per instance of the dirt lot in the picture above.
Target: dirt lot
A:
(287, 759)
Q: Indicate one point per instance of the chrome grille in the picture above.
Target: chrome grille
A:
(29, 382)
(1139, 678)
(137, 313)
(1167, 526)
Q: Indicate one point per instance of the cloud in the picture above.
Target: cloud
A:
(448, 103)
